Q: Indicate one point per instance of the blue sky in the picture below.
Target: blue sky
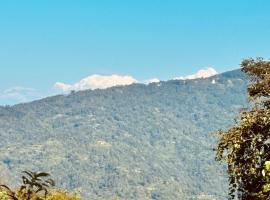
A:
(44, 42)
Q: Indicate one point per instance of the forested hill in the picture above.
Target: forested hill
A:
(133, 142)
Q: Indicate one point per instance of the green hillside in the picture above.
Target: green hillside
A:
(134, 142)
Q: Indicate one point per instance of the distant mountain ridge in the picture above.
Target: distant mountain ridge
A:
(130, 142)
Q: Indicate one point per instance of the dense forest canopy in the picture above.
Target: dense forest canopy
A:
(136, 142)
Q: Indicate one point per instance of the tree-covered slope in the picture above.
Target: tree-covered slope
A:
(135, 142)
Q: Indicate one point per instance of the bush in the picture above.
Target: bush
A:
(35, 186)
(62, 195)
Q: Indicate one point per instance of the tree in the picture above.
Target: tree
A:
(246, 146)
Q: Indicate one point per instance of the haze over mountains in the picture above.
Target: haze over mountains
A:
(21, 94)
(141, 141)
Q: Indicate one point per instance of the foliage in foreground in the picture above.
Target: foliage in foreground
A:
(35, 186)
(246, 146)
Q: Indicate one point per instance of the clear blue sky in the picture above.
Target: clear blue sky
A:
(42, 42)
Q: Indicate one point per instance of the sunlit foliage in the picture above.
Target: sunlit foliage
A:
(35, 186)
(246, 146)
